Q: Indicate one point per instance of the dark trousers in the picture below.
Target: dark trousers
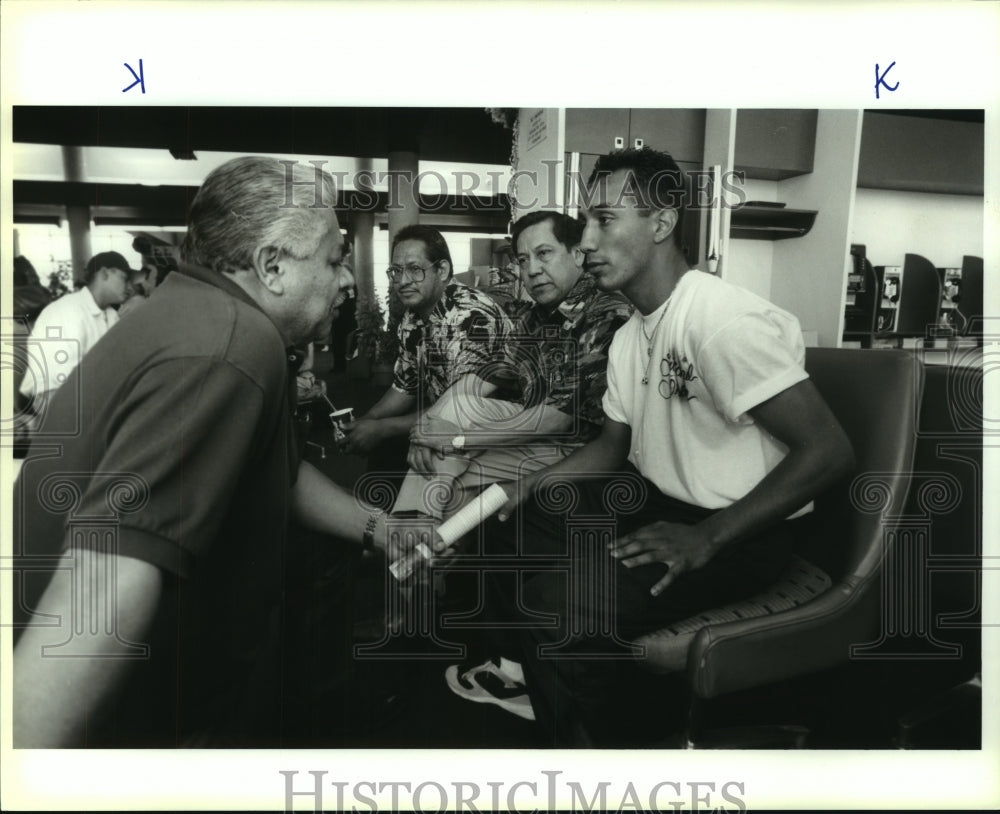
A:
(569, 612)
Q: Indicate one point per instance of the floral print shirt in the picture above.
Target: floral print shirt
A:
(467, 332)
(561, 353)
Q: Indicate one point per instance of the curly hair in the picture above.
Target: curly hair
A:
(654, 176)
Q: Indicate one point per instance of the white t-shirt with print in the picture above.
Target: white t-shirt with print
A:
(718, 352)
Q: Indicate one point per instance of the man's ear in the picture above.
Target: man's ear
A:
(578, 256)
(444, 271)
(664, 223)
(267, 269)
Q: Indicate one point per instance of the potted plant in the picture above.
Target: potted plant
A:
(375, 342)
(387, 344)
(365, 339)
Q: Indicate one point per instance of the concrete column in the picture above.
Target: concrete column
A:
(403, 206)
(78, 217)
(363, 256)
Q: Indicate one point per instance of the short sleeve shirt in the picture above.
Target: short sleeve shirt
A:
(64, 332)
(710, 354)
(185, 442)
(467, 332)
(561, 353)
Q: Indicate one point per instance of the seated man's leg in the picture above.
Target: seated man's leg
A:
(579, 677)
(460, 477)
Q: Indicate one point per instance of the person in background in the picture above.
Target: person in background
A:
(30, 296)
(159, 262)
(29, 299)
(69, 327)
(185, 434)
(447, 332)
(468, 440)
(142, 282)
(725, 439)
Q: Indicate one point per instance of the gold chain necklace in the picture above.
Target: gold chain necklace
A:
(651, 338)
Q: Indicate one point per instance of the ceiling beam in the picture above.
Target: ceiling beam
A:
(435, 134)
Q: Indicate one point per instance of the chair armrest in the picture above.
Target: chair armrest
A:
(733, 656)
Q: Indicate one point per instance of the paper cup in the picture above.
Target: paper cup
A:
(339, 418)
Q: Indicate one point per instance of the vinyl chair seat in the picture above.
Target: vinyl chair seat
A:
(666, 650)
(829, 601)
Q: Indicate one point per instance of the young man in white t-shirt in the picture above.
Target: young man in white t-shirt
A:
(708, 400)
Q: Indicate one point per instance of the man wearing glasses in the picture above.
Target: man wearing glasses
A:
(561, 354)
(76, 321)
(448, 331)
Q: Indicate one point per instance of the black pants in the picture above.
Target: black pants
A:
(570, 610)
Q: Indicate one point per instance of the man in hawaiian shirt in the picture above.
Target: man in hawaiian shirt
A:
(448, 331)
(468, 440)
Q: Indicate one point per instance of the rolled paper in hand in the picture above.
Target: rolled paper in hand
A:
(464, 520)
(403, 567)
(472, 514)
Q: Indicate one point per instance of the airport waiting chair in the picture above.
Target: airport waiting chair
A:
(945, 709)
(829, 599)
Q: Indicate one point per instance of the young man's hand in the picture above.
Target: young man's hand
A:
(517, 493)
(680, 547)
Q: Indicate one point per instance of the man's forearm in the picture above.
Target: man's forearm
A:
(819, 454)
(800, 477)
(604, 455)
(320, 504)
(398, 426)
(533, 425)
(392, 403)
(54, 698)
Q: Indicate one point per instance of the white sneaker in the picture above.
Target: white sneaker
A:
(489, 684)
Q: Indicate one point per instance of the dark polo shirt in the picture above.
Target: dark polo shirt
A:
(187, 402)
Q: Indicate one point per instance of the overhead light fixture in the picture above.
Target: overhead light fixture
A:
(183, 155)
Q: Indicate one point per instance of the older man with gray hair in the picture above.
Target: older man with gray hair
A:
(185, 463)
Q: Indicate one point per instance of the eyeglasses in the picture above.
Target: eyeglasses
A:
(413, 272)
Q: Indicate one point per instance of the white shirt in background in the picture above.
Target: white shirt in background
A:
(65, 330)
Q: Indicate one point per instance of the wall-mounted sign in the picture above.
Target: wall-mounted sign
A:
(538, 128)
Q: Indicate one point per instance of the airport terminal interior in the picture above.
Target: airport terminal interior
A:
(866, 226)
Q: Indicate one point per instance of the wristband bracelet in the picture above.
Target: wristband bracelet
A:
(368, 536)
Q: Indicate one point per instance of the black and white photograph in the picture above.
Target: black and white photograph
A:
(397, 451)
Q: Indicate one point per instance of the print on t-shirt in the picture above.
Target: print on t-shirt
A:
(676, 371)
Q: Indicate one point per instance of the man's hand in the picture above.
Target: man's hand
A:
(681, 547)
(434, 433)
(363, 435)
(401, 541)
(430, 438)
(517, 493)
